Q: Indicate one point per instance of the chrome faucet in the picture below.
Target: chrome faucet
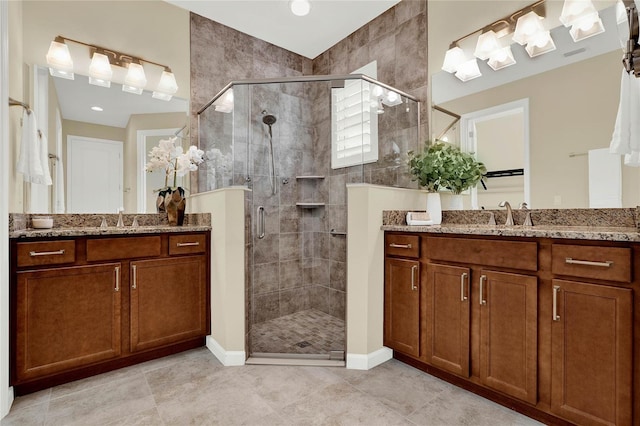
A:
(509, 212)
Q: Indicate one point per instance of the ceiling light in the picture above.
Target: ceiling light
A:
(100, 72)
(453, 59)
(97, 108)
(300, 7)
(59, 59)
(468, 70)
(135, 80)
(167, 86)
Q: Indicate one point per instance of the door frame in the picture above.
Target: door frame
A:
(469, 141)
(142, 161)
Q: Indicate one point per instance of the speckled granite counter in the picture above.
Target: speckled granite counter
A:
(576, 224)
(599, 233)
(78, 225)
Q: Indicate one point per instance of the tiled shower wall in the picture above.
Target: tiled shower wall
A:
(300, 263)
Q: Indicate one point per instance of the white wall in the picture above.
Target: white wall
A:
(365, 268)
(227, 339)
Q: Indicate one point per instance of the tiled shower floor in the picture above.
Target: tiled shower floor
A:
(304, 332)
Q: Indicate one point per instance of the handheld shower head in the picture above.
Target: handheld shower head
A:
(269, 119)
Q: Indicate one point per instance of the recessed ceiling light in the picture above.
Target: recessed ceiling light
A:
(300, 7)
(96, 108)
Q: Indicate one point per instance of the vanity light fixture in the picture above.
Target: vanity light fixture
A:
(582, 17)
(489, 47)
(101, 71)
(300, 7)
(59, 59)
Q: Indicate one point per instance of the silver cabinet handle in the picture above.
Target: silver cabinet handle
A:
(45, 253)
(188, 244)
(462, 278)
(260, 213)
(117, 271)
(414, 269)
(570, 261)
(403, 246)
(134, 276)
(483, 279)
(556, 290)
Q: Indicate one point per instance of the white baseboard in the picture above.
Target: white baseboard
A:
(227, 358)
(370, 360)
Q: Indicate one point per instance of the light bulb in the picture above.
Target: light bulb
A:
(300, 7)
(100, 70)
(59, 60)
(135, 80)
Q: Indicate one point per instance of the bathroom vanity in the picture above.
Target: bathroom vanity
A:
(544, 321)
(85, 301)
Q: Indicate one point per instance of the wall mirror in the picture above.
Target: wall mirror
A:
(101, 135)
(573, 96)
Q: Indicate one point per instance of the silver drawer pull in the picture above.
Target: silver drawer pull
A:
(571, 261)
(117, 271)
(134, 276)
(45, 253)
(463, 277)
(414, 270)
(556, 289)
(483, 279)
(404, 246)
(188, 244)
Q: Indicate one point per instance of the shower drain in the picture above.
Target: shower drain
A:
(303, 344)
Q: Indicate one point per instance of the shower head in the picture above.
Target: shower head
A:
(269, 119)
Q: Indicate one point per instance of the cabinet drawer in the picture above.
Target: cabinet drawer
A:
(508, 254)
(123, 248)
(402, 245)
(187, 244)
(597, 262)
(46, 253)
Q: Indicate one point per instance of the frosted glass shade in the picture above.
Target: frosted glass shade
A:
(59, 60)
(501, 58)
(586, 27)
(100, 71)
(487, 44)
(167, 86)
(542, 43)
(527, 27)
(468, 70)
(135, 80)
(453, 59)
(575, 10)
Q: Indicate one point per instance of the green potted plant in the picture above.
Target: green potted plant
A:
(443, 166)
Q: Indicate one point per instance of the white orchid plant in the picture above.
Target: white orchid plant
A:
(173, 160)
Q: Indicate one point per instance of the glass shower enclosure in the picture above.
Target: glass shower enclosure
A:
(297, 143)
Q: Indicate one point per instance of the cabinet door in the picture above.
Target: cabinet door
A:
(66, 318)
(509, 333)
(402, 306)
(168, 301)
(591, 353)
(448, 306)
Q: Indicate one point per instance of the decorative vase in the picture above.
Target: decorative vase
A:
(175, 204)
(434, 207)
(456, 202)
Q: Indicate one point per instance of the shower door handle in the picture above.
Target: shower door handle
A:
(260, 222)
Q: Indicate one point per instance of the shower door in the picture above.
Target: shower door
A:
(290, 293)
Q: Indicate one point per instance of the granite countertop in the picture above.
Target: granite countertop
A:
(599, 233)
(111, 230)
(79, 225)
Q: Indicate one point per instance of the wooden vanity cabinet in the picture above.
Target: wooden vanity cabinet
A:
(548, 327)
(402, 295)
(87, 305)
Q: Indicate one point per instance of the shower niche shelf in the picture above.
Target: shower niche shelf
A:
(310, 205)
(309, 177)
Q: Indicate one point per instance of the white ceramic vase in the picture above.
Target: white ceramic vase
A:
(434, 207)
(455, 202)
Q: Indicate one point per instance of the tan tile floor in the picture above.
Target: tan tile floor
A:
(193, 388)
(304, 332)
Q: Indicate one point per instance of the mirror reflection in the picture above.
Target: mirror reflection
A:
(99, 137)
(572, 95)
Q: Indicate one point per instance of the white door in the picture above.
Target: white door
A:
(94, 175)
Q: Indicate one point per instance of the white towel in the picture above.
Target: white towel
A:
(605, 179)
(626, 134)
(29, 163)
(59, 189)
